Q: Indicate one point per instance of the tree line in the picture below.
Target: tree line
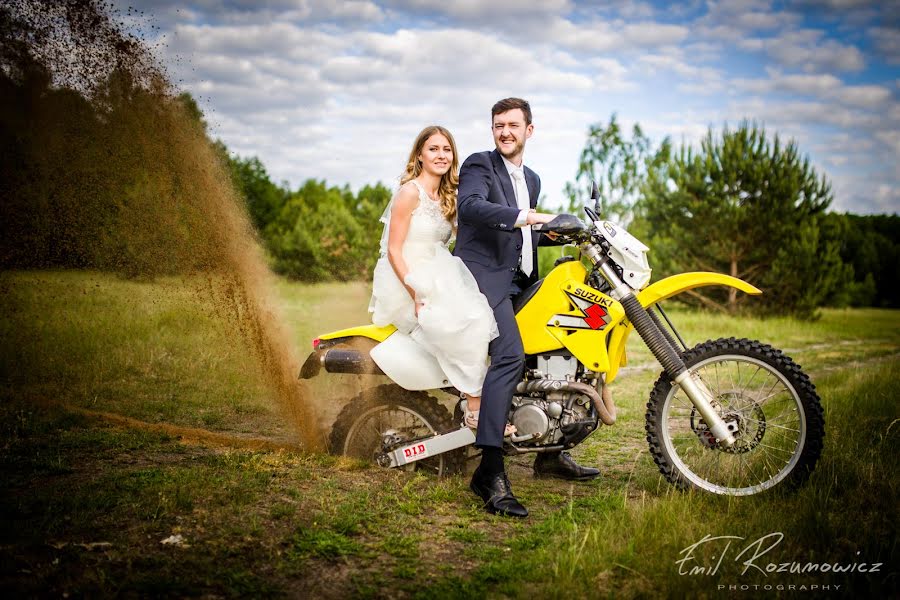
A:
(316, 232)
(743, 203)
(95, 182)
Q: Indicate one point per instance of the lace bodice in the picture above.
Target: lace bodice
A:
(428, 225)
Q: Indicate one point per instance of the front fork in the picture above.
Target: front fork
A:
(668, 356)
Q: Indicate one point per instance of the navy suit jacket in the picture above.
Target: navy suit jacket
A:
(487, 240)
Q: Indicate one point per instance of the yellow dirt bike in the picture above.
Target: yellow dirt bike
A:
(729, 416)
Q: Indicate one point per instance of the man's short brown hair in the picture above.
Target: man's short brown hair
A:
(511, 104)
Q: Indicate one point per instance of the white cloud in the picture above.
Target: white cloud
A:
(729, 21)
(628, 9)
(477, 10)
(823, 86)
(169, 13)
(339, 90)
(602, 36)
(887, 199)
(867, 96)
(887, 41)
(283, 40)
(804, 48)
(859, 195)
(891, 139)
(610, 75)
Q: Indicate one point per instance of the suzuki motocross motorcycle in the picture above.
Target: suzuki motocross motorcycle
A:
(728, 416)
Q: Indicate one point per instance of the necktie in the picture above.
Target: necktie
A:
(522, 201)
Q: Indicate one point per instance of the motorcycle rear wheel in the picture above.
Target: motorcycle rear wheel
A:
(778, 415)
(362, 424)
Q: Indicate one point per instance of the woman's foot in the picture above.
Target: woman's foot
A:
(470, 420)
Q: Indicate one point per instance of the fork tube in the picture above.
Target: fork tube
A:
(671, 361)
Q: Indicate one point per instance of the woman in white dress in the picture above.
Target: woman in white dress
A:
(418, 286)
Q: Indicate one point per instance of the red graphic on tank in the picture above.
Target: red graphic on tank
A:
(593, 316)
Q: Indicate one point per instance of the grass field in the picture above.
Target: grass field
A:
(131, 415)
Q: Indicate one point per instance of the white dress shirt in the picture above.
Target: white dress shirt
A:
(520, 186)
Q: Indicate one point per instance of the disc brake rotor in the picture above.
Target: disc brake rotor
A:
(744, 417)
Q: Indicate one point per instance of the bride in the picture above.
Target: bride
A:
(418, 286)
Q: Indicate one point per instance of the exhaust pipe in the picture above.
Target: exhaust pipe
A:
(604, 404)
(338, 360)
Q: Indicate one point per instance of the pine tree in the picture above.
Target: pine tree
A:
(748, 207)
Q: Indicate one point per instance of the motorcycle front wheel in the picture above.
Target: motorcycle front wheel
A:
(767, 400)
(387, 416)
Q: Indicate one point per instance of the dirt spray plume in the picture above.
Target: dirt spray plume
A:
(104, 166)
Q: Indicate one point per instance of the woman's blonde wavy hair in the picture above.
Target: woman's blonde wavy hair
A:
(449, 181)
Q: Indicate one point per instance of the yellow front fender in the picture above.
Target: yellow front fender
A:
(670, 286)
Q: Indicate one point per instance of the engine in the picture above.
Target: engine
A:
(552, 416)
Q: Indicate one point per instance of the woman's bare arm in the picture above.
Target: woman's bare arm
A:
(405, 202)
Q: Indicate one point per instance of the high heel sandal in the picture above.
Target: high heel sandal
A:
(470, 420)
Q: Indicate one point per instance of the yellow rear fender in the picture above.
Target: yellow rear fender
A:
(373, 332)
(671, 286)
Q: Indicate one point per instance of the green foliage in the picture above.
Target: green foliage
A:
(740, 205)
(749, 207)
(192, 109)
(103, 182)
(871, 245)
(134, 198)
(263, 198)
(618, 165)
(323, 233)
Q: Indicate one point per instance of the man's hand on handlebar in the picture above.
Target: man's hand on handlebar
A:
(536, 218)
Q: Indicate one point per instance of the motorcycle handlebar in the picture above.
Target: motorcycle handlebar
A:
(563, 224)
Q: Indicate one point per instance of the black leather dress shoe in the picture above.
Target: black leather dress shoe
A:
(497, 495)
(563, 466)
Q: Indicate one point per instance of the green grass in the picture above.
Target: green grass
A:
(86, 503)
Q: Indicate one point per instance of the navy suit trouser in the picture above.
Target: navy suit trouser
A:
(507, 361)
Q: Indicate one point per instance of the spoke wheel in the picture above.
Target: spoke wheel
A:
(767, 400)
(388, 416)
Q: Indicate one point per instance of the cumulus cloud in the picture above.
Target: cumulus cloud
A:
(732, 20)
(244, 12)
(823, 86)
(477, 10)
(887, 42)
(860, 195)
(592, 36)
(610, 75)
(337, 90)
(891, 139)
(809, 50)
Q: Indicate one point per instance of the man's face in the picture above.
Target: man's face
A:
(510, 133)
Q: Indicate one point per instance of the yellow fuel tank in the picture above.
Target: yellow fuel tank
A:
(567, 313)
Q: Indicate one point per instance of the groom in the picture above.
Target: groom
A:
(497, 196)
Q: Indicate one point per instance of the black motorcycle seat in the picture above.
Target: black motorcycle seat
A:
(525, 295)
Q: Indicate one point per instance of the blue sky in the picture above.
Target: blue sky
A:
(338, 90)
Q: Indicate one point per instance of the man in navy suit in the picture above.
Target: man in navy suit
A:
(497, 196)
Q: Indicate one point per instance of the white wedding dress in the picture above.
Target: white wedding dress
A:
(456, 322)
